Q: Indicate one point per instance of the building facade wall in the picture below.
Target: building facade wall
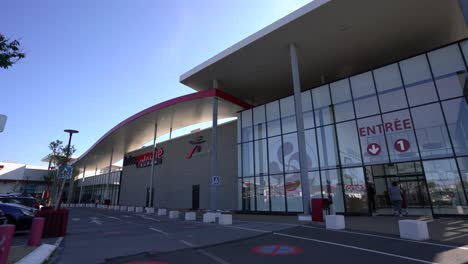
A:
(176, 174)
(404, 122)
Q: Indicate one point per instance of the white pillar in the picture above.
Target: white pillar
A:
(106, 193)
(150, 195)
(214, 147)
(300, 130)
(82, 182)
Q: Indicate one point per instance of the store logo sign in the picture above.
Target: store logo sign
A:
(144, 160)
(196, 146)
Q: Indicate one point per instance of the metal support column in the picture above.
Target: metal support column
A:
(300, 130)
(150, 195)
(214, 148)
(94, 191)
(106, 193)
(82, 182)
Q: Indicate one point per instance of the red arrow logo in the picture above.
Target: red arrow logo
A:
(374, 149)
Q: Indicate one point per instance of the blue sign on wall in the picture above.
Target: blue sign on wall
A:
(65, 172)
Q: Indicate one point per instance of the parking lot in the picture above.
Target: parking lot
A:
(105, 236)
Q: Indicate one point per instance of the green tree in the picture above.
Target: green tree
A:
(59, 157)
(9, 52)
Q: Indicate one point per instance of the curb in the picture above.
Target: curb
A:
(40, 254)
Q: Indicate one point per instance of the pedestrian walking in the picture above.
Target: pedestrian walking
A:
(395, 196)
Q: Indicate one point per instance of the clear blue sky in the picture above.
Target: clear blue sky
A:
(90, 64)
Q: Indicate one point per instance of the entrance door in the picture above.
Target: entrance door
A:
(411, 180)
(195, 197)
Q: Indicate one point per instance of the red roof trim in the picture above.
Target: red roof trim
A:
(171, 102)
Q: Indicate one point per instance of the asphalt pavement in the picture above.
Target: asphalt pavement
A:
(106, 236)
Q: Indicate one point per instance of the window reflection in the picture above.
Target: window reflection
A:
(261, 161)
(277, 193)
(333, 188)
(390, 88)
(322, 106)
(401, 141)
(449, 71)
(328, 152)
(259, 122)
(431, 132)
(248, 194)
(341, 96)
(444, 184)
(288, 114)
(417, 78)
(262, 193)
(365, 99)
(456, 114)
(355, 190)
(247, 134)
(275, 155)
(308, 113)
(273, 119)
(311, 149)
(291, 153)
(349, 144)
(294, 192)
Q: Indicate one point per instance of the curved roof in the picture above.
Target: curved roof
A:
(138, 129)
(335, 39)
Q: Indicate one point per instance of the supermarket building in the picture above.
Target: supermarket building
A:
(332, 100)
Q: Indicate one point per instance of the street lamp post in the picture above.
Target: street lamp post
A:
(70, 132)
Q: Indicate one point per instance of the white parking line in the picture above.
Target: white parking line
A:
(113, 217)
(250, 229)
(356, 248)
(213, 257)
(159, 231)
(187, 243)
(391, 238)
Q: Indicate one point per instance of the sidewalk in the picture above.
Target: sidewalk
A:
(444, 230)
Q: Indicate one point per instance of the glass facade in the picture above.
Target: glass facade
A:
(405, 122)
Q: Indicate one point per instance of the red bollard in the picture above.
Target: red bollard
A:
(35, 234)
(6, 236)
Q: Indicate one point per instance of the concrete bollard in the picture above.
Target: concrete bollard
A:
(123, 208)
(173, 214)
(225, 219)
(162, 211)
(190, 216)
(139, 209)
(6, 232)
(336, 222)
(149, 210)
(131, 209)
(413, 229)
(210, 217)
(35, 234)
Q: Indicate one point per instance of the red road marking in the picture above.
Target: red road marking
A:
(277, 250)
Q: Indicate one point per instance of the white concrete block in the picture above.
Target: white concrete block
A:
(131, 208)
(190, 216)
(139, 209)
(211, 217)
(413, 229)
(117, 207)
(162, 211)
(123, 208)
(225, 219)
(305, 218)
(149, 210)
(173, 214)
(336, 222)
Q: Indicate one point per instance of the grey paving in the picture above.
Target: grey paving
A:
(102, 236)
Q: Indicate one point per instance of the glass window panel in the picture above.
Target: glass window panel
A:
(444, 185)
(390, 89)
(239, 160)
(239, 128)
(449, 71)
(463, 165)
(350, 154)
(247, 159)
(322, 105)
(372, 137)
(333, 189)
(417, 77)
(432, 134)
(247, 126)
(273, 119)
(343, 104)
(261, 161)
(294, 192)
(314, 184)
(262, 193)
(355, 191)
(311, 149)
(365, 99)
(277, 193)
(259, 122)
(308, 113)
(291, 153)
(275, 155)
(288, 114)
(400, 136)
(248, 194)
(328, 152)
(456, 114)
(239, 194)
